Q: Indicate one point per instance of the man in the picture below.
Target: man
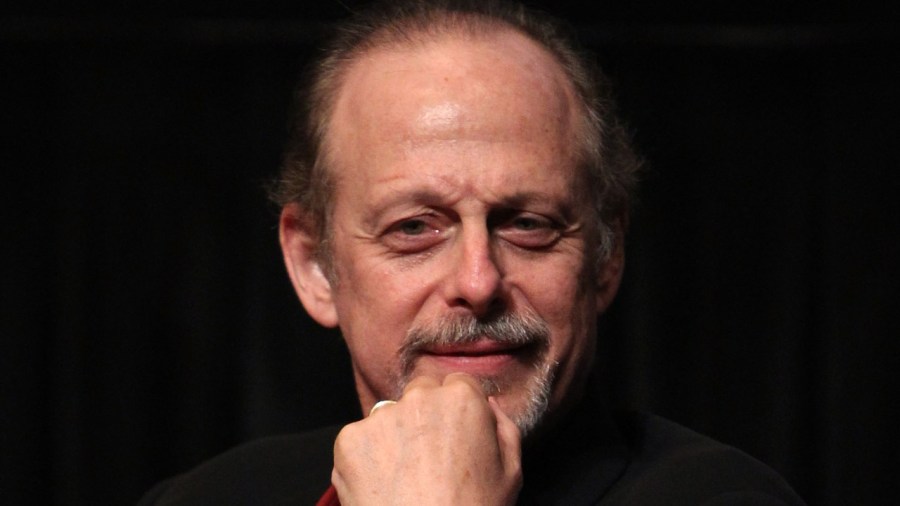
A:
(454, 199)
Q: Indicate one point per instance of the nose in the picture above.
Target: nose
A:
(476, 278)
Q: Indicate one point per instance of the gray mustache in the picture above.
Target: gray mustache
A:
(508, 328)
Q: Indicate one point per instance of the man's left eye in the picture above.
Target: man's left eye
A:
(524, 223)
(412, 227)
(529, 231)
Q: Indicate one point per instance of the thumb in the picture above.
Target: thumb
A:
(509, 439)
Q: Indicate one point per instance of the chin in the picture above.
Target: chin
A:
(527, 403)
(524, 395)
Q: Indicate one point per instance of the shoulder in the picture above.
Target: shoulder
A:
(293, 469)
(673, 465)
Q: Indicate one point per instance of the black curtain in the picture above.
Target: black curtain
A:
(147, 323)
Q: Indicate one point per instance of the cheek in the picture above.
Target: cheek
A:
(375, 305)
(554, 279)
(566, 302)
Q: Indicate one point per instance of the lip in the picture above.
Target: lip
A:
(480, 358)
(474, 349)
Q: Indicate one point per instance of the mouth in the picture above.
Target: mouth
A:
(484, 357)
(504, 348)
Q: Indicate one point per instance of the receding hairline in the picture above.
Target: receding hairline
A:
(527, 61)
(476, 28)
(433, 25)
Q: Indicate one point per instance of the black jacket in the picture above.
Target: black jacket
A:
(591, 458)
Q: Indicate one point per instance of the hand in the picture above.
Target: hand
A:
(442, 443)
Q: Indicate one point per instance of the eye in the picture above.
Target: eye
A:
(413, 235)
(531, 231)
(526, 223)
(412, 227)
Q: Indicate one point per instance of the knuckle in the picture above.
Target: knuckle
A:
(463, 384)
(414, 395)
(421, 382)
(347, 438)
(467, 400)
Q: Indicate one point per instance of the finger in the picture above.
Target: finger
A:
(346, 446)
(508, 437)
(340, 486)
(381, 405)
(424, 382)
(468, 390)
(455, 377)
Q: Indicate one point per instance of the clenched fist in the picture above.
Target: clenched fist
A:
(442, 443)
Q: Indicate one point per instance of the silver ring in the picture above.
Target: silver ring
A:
(380, 404)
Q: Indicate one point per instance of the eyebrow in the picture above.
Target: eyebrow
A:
(415, 196)
(522, 198)
(426, 195)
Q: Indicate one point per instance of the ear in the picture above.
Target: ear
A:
(299, 243)
(609, 275)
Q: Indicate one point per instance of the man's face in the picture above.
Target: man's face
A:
(458, 240)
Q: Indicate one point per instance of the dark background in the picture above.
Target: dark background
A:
(147, 323)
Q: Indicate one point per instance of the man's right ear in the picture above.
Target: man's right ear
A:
(299, 244)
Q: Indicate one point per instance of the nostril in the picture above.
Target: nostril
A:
(488, 307)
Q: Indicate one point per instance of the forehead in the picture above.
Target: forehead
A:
(452, 91)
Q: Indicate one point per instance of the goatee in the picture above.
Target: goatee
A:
(523, 331)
